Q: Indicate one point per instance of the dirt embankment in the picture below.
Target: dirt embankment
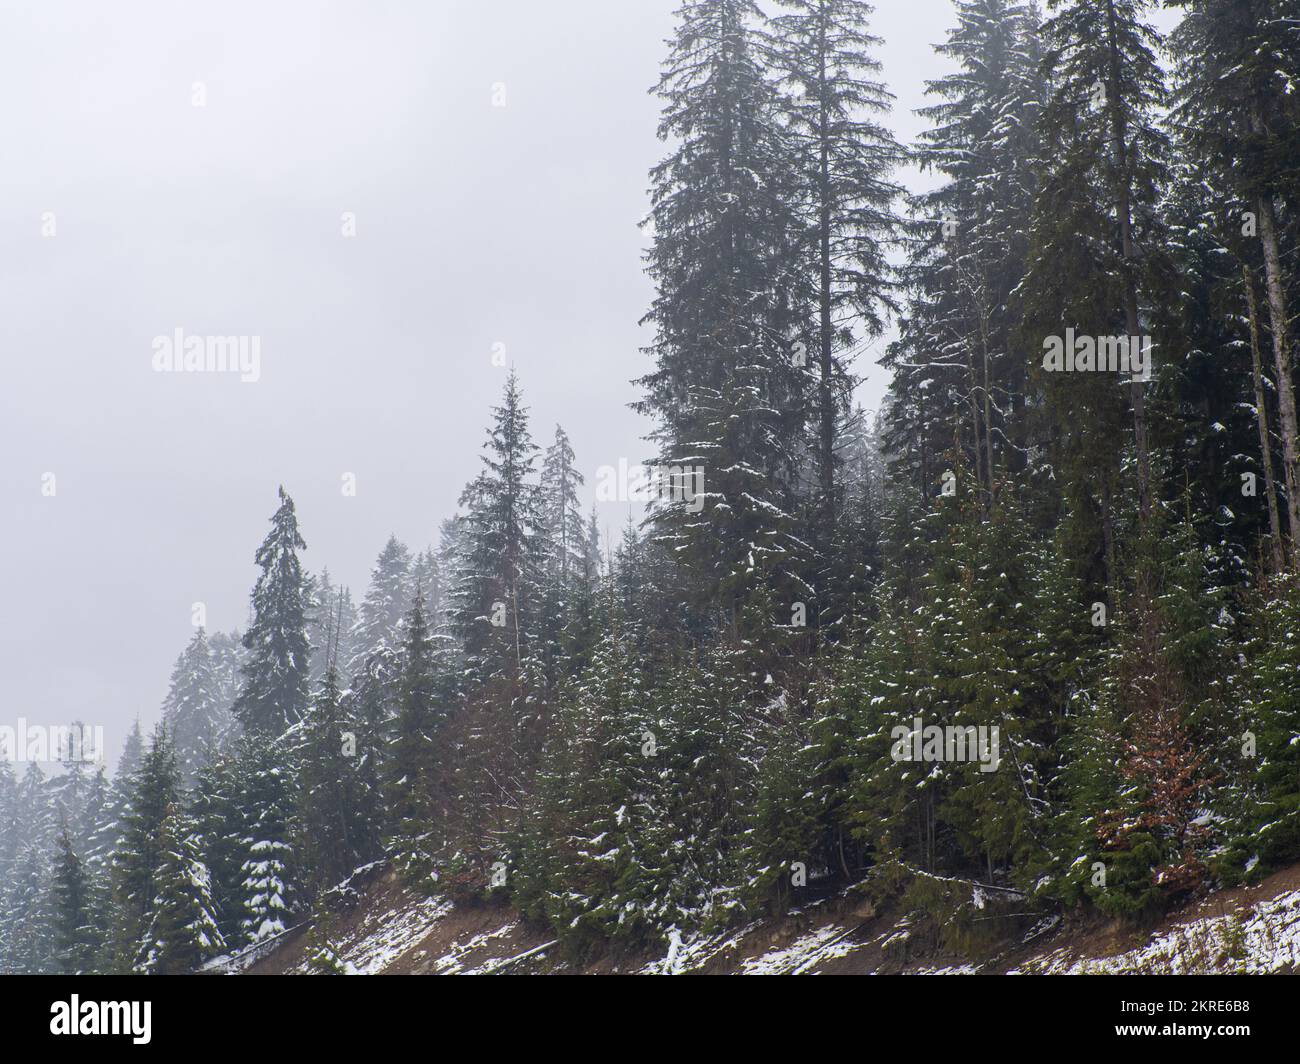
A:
(377, 926)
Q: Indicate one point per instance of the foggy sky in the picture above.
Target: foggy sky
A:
(475, 225)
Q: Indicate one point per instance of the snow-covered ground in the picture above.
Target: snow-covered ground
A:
(825, 944)
(384, 936)
(1254, 940)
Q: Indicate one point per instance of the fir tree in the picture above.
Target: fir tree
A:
(274, 694)
(77, 940)
(411, 764)
(1236, 109)
(270, 888)
(726, 392)
(331, 840)
(182, 931)
(495, 598)
(192, 711)
(823, 52)
(155, 794)
(27, 911)
(218, 822)
(378, 626)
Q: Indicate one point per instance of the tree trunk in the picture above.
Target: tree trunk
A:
(1124, 211)
(826, 397)
(1277, 310)
(1261, 420)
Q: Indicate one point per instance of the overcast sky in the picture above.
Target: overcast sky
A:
(129, 212)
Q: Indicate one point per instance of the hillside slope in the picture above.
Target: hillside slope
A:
(382, 928)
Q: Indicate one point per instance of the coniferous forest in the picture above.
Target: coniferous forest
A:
(1032, 625)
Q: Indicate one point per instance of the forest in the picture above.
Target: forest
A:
(1032, 624)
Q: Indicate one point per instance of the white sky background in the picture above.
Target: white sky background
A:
(475, 225)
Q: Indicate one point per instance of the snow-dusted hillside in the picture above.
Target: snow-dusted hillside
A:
(387, 930)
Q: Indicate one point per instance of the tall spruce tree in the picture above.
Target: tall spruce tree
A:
(495, 600)
(1237, 112)
(274, 693)
(823, 52)
(1096, 242)
(959, 374)
(733, 292)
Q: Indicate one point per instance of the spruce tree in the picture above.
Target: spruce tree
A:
(379, 620)
(331, 840)
(410, 766)
(270, 889)
(958, 371)
(27, 910)
(733, 290)
(1237, 112)
(1096, 238)
(192, 711)
(182, 931)
(218, 822)
(77, 940)
(495, 601)
(155, 793)
(834, 106)
(333, 620)
(274, 693)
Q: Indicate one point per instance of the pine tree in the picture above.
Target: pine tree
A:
(378, 626)
(411, 764)
(192, 711)
(1271, 739)
(77, 940)
(564, 603)
(1161, 703)
(228, 657)
(8, 843)
(782, 842)
(1236, 63)
(561, 518)
(155, 793)
(370, 707)
(274, 694)
(822, 51)
(331, 839)
(583, 843)
(182, 931)
(333, 620)
(726, 392)
(1095, 262)
(958, 373)
(27, 911)
(270, 889)
(73, 789)
(495, 598)
(218, 822)
(104, 839)
(427, 579)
